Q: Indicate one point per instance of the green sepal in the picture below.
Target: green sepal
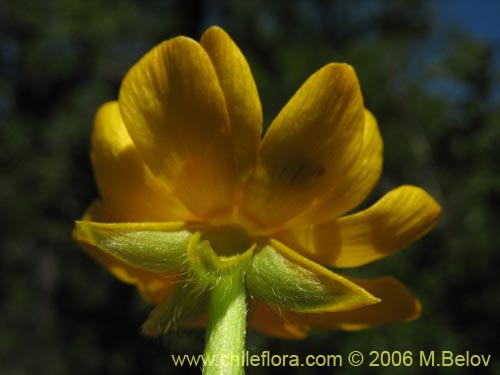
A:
(186, 304)
(207, 267)
(286, 279)
(156, 247)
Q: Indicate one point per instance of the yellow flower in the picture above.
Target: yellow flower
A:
(191, 190)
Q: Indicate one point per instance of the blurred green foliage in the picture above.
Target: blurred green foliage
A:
(437, 103)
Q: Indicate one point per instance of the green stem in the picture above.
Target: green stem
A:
(225, 339)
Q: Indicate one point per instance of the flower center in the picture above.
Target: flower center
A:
(228, 240)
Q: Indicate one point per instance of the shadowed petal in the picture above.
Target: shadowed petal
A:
(127, 186)
(268, 321)
(398, 305)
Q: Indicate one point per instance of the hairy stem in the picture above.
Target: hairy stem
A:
(225, 339)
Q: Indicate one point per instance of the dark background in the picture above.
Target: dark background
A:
(432, 85)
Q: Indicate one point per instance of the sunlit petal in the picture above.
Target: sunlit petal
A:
(240, 91)
(174, 109)
(400, 217)
(309, 147)
(356, 184)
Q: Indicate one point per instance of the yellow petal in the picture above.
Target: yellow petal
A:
(127, 186)
(309, 147)
(397, 219)
(153, 286)
(398, 305)
(281, 277)
(268, 320)
(240, 91)
(356, 184)
(174, 109)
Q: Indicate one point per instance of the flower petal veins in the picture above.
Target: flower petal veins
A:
(190, 190)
